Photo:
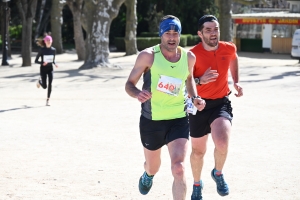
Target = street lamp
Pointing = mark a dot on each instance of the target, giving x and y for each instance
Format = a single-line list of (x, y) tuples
[(4, 36)]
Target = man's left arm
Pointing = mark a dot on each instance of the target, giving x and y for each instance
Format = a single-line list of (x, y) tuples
[(190, 83), (234, 70)]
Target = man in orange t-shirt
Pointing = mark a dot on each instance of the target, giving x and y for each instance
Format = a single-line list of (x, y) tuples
[(214, 58)]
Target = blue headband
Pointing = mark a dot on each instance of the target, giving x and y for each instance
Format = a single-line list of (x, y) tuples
[(169, 24)]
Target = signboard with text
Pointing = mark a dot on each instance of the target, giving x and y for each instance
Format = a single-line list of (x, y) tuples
[(267, 21)]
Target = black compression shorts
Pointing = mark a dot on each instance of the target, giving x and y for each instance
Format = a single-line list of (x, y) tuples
[(200, 123), (155, 134)]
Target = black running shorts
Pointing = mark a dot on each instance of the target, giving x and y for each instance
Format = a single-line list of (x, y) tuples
[(200, 123), (155, 134)]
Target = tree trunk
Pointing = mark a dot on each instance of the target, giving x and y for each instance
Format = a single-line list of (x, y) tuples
[(27, 11), (45, 22), (76, 9), (2, 18), (56, 23), (39, 19), (8, 38), (98, 16), (225, 20), (131, 24)]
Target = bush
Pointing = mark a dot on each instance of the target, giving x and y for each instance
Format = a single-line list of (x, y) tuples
[(149, 34), (15, 32), (119, 43), (183, 41), (68, 46), (192, 39), (145, 42)]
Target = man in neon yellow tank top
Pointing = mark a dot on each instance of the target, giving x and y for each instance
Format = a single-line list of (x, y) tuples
[(167, 72)]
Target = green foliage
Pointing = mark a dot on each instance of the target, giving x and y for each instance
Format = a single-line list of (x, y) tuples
[(118, 25), (250, 2), (67, 29), (69, 46), (188, 11), (192, 39), (119, 43), (149, 34), (183, 41), (142, 42), (153, 18), (15, 32), (145, 42), (149, 13)]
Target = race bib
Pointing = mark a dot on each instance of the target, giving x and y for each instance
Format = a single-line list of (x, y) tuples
[(48, 58), (169, 85)]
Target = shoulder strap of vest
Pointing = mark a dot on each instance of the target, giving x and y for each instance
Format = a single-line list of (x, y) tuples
[(156, 49), (183, 50)]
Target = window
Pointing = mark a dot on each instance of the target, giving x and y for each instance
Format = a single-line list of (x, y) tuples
[(251, 31)]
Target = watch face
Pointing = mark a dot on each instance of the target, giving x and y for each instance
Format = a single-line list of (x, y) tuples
[(197, 80)]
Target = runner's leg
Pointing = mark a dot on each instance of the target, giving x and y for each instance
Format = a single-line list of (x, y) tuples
[(177, 150)]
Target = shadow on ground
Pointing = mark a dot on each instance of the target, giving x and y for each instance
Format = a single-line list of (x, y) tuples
[(109, 75), (21, 108)]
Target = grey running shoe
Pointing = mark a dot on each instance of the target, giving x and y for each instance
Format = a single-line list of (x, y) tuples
[(47, 102), (197, 192), (145, 184), (222, 187)]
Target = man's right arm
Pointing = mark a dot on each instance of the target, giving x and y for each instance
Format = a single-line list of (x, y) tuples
[(143, 62)]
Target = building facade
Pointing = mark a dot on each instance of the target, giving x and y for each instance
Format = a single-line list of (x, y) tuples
[(267, 31)]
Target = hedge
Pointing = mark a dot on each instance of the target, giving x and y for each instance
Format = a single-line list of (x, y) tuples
[(149, 34), (192, 39), (145, 42)]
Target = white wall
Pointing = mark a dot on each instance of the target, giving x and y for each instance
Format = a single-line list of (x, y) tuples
[(267, 36)]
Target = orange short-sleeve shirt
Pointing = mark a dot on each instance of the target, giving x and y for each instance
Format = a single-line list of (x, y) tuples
[(218, 60)]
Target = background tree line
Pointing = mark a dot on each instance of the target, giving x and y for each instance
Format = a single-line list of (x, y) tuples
[(90, 26)]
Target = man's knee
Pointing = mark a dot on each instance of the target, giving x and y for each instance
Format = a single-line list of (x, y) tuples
[(178, 169), (222, 146), (198, 152)]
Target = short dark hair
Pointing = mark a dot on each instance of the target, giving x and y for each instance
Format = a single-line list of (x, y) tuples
[(205, 18), (169, 17)]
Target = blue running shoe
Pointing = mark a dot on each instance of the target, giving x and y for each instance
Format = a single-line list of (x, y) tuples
[(197, 192), (222, 187), (145, 184)]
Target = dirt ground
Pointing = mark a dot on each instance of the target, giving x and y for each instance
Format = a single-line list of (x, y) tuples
[(86, 145)]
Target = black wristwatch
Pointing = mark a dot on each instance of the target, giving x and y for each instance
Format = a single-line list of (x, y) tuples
[(197, 81), (195, 97)]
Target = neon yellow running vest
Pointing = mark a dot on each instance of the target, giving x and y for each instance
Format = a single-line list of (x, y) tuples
[(166, 81)]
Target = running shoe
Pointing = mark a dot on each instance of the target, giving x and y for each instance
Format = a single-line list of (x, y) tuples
[(38, 85), (197, 192), (145, 184), (47, 102), (222, 187)]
